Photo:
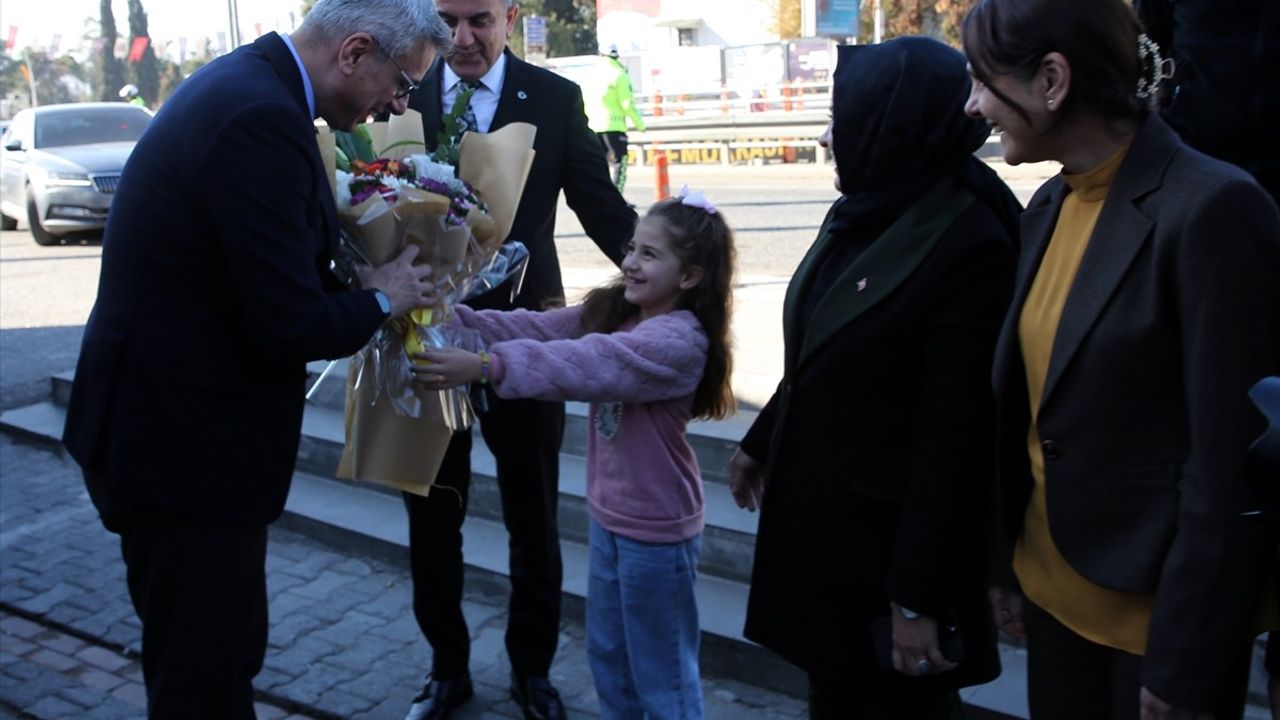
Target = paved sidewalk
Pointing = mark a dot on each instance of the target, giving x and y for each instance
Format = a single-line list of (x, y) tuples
[(343, 641), (49, 673)]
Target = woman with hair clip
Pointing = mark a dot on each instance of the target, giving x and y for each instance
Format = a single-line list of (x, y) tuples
[(876, 448), (1146, 305)]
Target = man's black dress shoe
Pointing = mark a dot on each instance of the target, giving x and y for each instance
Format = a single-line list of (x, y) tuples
[(439, 698), (537, 698)]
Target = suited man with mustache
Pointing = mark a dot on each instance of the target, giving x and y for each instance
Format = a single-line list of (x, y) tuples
[(524, 435)]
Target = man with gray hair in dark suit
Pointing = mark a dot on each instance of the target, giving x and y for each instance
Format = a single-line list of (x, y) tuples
[(214, 294)]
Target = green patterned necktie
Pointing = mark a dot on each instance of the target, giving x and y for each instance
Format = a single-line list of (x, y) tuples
[(467, 121)]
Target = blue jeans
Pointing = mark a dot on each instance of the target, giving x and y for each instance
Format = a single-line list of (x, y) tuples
[(642, 627)]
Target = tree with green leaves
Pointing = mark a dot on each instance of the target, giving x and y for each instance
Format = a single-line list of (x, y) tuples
[(938, 19), (57, 79), (11, 80), (571, 26), (784, 18), (108, 71), (145, 71)]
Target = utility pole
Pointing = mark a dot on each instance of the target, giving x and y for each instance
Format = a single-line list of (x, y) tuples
[(879, 21), (233, 19)]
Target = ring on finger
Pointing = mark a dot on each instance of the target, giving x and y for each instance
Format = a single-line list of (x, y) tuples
[(924, 667)]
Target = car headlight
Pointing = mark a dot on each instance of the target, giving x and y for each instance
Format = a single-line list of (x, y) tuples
[(66, 179)]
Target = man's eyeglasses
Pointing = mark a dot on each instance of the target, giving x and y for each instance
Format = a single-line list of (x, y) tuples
[(407, 84)]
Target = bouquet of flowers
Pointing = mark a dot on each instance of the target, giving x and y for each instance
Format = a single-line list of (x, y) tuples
[(396, 432)]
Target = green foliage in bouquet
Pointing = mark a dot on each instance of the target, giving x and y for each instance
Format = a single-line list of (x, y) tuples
[(358, 145), (355, 145), (450, 133)]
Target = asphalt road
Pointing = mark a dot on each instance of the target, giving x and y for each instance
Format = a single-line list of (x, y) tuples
[(45, 296), (775, 210)]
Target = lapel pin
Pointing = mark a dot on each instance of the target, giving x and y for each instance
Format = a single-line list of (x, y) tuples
[(522, 95), (862, 284)]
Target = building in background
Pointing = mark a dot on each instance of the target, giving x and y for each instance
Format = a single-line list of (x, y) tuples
[(675, 48)]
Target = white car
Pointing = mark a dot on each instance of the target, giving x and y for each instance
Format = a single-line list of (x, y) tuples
[(61, 165)]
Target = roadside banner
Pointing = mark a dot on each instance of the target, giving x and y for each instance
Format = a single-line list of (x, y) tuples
[(837, 18)]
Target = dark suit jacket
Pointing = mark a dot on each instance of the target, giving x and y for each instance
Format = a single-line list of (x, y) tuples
[(1145, 419), (568, 157), (878, 445), (215, 291), (1221, 101)]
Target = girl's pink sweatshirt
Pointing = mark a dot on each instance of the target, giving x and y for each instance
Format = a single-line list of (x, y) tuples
[(643, 480)]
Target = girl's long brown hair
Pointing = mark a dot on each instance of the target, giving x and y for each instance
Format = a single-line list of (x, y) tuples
[(700, 239)]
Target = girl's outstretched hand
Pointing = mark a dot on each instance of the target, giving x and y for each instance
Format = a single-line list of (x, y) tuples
[(445, 368)]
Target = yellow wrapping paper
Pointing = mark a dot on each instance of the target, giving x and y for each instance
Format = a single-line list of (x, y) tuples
[(381, 445), (327, 143)]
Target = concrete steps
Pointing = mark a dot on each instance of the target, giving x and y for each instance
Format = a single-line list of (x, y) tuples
[(370, 519)]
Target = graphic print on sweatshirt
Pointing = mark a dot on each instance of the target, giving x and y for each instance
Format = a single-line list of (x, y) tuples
[(608, 418)]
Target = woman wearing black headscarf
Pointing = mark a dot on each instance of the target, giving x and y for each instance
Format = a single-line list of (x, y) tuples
[(873, 461)]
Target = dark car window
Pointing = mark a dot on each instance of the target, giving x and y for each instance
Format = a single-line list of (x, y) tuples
[(86, 126)]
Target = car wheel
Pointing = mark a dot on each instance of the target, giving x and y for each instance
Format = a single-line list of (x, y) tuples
[(8, 223), (42, 236)]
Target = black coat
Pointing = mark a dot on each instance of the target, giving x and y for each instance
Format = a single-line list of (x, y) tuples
[(568, 156), (214, 294), (1145, 421), (879, 447), (1224, 98)]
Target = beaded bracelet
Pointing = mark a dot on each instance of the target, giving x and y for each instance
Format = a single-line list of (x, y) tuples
[(486, 365)]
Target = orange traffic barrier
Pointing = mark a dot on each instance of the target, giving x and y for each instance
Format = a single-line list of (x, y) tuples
[(657, 93), (724, 99), (662, 182)]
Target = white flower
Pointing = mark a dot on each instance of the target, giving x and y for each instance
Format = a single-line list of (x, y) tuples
[(394, 183), (344, 188), (427, 168)]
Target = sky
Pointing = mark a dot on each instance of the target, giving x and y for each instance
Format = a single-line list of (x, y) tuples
[(38, 21)]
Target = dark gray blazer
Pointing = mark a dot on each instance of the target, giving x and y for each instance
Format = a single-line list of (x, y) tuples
[(1145, 419)]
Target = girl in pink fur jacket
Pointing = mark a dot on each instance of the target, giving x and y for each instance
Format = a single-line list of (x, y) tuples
[(649, 352)]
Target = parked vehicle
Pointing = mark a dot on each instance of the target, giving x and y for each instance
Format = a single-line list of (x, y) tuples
[(61, 164)]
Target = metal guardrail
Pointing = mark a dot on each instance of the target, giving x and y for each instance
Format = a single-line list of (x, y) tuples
[(776, 124), (722, 127), (737, 103)]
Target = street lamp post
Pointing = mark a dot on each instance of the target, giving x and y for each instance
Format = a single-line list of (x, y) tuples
[(233, 19)]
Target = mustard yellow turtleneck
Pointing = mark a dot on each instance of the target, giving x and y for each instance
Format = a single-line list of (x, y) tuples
[(1108, 617)]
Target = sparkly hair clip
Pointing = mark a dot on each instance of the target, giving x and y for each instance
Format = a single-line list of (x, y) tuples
[(1160, 67), (695, 198)]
